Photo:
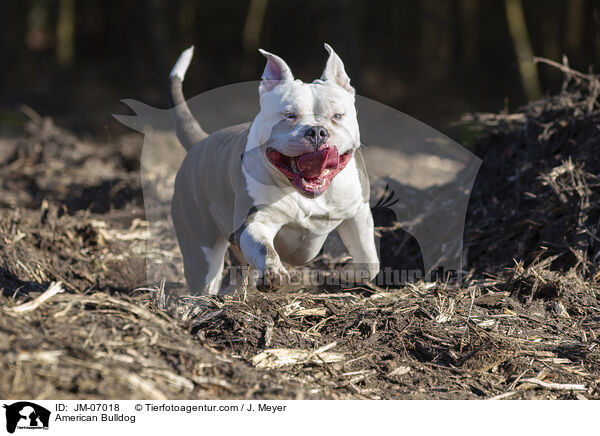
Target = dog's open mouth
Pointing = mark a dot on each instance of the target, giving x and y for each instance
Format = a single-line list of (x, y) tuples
[(310, 173)]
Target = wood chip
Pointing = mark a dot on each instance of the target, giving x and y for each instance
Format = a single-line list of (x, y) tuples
[(282, 357), (401, 370), (491, 298)]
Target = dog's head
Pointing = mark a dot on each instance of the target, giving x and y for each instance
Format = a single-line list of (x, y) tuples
[(307, 131)]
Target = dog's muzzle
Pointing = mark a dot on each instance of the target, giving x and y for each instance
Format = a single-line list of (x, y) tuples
[(310, 173)]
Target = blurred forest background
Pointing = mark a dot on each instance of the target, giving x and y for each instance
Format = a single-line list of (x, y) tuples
[(433, 59)]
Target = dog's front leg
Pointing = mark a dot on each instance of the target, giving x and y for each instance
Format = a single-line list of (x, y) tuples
[(358, 236), (256, 243)]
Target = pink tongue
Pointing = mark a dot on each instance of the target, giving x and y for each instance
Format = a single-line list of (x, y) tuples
[(312, 165)]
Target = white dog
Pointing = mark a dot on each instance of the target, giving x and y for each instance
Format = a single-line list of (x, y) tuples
[(276, 187)]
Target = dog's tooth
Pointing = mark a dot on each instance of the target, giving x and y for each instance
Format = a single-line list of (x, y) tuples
[(294, 165)]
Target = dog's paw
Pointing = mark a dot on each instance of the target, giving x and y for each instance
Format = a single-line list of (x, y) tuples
[(272, 278)]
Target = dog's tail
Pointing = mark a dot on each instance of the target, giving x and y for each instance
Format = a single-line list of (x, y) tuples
[(187, 128)]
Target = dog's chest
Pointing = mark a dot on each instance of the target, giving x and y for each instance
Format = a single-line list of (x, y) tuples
[(318, 216), (322, 215)]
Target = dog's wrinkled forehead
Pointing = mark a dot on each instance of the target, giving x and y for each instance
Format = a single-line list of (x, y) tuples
[(318, 98)]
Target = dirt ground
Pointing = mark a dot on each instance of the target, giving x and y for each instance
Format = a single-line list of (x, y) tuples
[(524, 324)]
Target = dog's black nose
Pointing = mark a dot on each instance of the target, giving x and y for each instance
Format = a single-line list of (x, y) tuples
[(317, 134)]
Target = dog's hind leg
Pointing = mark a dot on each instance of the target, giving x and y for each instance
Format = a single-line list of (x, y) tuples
[(216, 261), (203, 265), (236, 278), (202, 246)]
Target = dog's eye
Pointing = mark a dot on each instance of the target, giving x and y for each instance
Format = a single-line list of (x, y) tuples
[(291, 116), (338, 117)]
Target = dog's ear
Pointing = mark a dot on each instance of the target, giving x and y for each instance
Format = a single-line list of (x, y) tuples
[(276, 72), (335, 72)]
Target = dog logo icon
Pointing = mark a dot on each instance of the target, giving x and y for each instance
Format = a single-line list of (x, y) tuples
[(26, 415)]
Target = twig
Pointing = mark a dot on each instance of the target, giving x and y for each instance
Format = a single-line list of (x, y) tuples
[(564, 68), (325, 348), (504, 395), (53, 289), (31, 114), (212, 381), (136, 382), (556, 386), (468, 319)]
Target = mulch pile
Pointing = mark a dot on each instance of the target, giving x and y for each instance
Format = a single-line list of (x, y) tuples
[(537, 195), (524, 324)]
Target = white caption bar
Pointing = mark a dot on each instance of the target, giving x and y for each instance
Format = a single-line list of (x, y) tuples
[(24, 417)]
